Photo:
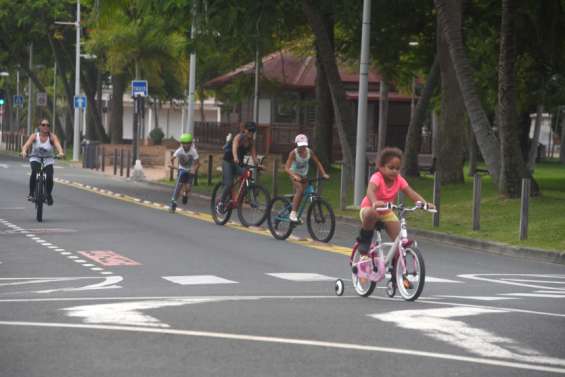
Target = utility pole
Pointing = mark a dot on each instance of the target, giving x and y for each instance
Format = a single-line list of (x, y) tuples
[(361, 149), (76, 129), (18, 94), (29, 89), (54, 93), (191, 79)]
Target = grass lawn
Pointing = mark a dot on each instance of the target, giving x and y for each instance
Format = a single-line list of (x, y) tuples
[(500, 217)]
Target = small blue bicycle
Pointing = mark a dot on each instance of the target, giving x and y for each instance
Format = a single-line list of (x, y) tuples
[(320, 217)]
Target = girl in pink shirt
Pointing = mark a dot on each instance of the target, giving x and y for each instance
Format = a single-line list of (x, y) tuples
[(383, 187)]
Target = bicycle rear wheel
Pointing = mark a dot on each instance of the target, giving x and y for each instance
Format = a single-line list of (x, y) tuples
[(221, 213), (410, 284), (320, 220), (364, 287), (39, 198), (252, 208), (277, 217)]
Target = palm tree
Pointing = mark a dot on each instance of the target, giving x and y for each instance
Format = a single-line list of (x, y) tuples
[(487, 141)]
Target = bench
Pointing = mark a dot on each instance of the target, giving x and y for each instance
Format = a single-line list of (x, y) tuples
[(427, 163)]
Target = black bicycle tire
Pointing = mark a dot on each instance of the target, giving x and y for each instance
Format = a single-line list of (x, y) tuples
[(323, 202), (217, 220), (285, 235), (39, 186), (422, 274), (240, 215)]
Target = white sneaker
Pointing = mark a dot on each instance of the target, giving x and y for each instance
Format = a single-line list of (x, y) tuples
[(293, 217)]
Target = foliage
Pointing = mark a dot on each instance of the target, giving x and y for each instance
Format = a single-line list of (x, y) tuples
[(156, 135)]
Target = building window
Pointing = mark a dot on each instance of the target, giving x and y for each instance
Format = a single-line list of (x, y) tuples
[(286, 108)]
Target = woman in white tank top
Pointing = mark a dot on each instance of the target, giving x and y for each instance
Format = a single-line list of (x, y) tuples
[(297, 169), (43, 144)]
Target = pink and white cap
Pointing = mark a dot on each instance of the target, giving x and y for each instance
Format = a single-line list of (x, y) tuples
[(301, 140)]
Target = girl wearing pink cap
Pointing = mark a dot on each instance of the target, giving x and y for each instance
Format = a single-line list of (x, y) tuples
[(297, 166)]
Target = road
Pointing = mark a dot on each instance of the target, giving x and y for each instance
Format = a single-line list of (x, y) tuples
[(114, 285)]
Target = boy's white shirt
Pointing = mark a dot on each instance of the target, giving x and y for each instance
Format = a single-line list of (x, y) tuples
[(187, 157)]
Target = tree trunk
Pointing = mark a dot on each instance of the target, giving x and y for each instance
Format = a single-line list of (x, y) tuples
[(480, 124), (512, 166), (452, 115), (473, 151), (117, 108), (562, 144), (95, 129), (383, 114), (62, 60), (342, 109), (414, 133), (323, 128)]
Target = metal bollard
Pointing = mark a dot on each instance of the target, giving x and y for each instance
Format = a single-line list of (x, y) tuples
[(524, 206), (103, 159), (128, 159), (115, 161), (436, 198), (210, 166), (96, 157), (121, 162), (171, 170), (343, 188), (275, 180), (476, 202)]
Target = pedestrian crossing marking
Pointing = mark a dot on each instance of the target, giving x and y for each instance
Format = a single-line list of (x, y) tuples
[(479, 298), (295, 276), (198, 280)]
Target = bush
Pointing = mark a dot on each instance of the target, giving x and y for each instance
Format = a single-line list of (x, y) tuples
[(156, 136)]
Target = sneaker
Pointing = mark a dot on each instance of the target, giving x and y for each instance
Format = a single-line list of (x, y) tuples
[(184, 199), (293, 217), (49, 200)]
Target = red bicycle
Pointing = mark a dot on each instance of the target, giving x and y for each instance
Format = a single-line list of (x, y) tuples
[(251, 201)]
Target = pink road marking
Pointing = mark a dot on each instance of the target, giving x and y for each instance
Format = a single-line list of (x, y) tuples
[(109, 258)]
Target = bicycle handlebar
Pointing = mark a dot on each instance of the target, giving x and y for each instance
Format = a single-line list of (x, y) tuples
[(419, 205)]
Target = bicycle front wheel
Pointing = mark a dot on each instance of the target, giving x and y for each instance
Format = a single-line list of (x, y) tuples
[(221, 212), (410, 283), (252, 208), (39, 195), (277, 218), (363, 286), (320, 220)]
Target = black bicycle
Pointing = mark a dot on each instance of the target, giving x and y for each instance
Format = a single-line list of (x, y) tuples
[(40, 191)]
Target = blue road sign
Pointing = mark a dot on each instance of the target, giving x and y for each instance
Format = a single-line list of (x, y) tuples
[(139, 88), (80, 102), (19, 101)]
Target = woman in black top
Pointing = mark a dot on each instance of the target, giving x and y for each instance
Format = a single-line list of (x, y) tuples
[(241, 145)]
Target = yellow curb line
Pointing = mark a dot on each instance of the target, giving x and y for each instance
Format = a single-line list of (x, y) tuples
[(306, 242)]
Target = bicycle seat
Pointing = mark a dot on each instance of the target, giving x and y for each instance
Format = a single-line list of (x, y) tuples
[(379, 225)]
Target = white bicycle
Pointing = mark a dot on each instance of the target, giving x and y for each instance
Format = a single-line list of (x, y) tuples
[(403, 260)]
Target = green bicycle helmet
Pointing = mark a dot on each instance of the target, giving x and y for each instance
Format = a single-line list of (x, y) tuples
[(186, 138)]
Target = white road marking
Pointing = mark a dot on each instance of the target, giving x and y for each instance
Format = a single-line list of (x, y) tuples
[(431, 279), (107, 283), (540, 295), (129, 313), (294, 341), (479, 298), (437, 323), (295, 276), (536, 281), (498, 278), (4, 166), (198, 280)]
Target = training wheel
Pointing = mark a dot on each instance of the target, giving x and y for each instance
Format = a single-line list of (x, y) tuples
[(390, 289), (339, 287)]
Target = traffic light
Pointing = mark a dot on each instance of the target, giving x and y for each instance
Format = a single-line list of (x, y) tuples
[(2, 101)]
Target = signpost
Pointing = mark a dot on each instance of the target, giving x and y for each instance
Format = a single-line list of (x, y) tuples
[(19, 101), (139, 90), (79, 102), (41, 99)]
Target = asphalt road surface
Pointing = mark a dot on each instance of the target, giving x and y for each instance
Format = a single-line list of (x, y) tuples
[(111, 284)]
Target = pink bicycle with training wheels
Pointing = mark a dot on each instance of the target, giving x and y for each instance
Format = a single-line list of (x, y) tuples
[(403, 261)]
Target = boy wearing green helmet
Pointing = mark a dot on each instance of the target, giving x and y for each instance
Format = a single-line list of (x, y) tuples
[(188, 165)]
